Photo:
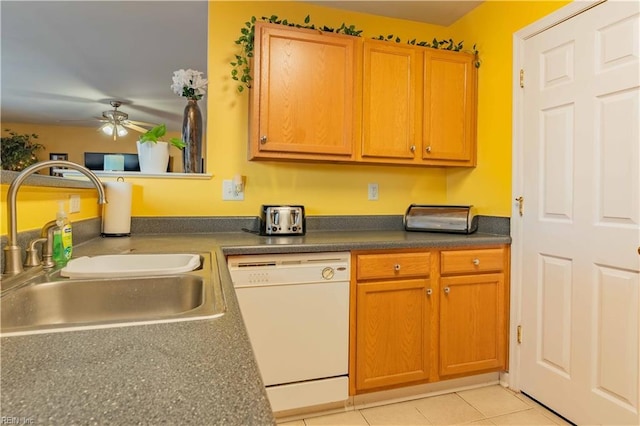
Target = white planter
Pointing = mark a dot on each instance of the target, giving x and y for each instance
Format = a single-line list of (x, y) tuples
[(153, 157)]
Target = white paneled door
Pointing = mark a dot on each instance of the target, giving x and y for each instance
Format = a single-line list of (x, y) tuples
[(581, 222)]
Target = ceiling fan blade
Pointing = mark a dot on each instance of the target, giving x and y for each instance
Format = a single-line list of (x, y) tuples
[(141, 123), (135, 127), (77, 121)]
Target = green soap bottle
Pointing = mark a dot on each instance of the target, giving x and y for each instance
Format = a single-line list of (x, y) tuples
[(62, 237), (58, 250)]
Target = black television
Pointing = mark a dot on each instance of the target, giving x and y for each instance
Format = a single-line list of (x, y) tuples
[(95, 161)]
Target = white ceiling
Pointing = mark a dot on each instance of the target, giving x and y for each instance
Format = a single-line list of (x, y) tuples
[(65, 60), (432, 11)]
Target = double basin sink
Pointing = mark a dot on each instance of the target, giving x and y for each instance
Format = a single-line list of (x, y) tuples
[(47, 301)]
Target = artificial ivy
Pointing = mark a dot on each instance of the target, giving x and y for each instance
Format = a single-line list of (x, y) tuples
[(435, 44), (241, 70)]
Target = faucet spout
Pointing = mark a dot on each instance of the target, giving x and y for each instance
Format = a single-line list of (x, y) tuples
[(13, 252)]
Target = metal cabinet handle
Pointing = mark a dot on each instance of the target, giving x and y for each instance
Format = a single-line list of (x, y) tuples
[(263, 139), (413, 148), (396, 266), (476, 261), (447, 290), (429, 292), (428, 149)]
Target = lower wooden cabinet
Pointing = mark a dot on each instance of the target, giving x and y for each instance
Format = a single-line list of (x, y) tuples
[(472, 324), (423, 316), (393, 322)]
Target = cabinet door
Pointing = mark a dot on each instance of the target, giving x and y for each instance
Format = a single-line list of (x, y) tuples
[(392, 333), (303, 95), (472, 324), (391, 121), (449, 123)]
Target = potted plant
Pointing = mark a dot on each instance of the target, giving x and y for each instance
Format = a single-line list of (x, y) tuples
[(18, 151), (153, 154)]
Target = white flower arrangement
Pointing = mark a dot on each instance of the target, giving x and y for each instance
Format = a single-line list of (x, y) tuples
[(190, 83)]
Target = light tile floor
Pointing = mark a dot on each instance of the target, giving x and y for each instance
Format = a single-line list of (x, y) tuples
[(491, 405)]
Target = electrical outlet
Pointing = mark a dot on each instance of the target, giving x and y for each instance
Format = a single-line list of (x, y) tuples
[(373, 191), (74, 203), (229, 193)]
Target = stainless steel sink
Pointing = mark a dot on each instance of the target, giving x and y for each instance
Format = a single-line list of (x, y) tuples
[(49, 302)]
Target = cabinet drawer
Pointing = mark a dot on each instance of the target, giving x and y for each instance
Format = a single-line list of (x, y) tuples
[(392, 265), (471, 261)]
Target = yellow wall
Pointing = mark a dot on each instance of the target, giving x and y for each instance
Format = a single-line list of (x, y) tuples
[(327, 189), (38, 205), (491, 25), (323, 188), (76, 140)]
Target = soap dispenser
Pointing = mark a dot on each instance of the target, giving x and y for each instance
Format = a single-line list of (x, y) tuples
[(62, 237)]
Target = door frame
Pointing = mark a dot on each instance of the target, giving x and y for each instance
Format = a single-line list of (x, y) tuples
[(512, 379)]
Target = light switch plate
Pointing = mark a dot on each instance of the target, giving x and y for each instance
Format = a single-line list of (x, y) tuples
[(74, 203), (228, 192)]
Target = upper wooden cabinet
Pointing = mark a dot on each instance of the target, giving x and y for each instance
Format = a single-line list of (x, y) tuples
[(419, 105), (450, 108), (392, 104), (303, 96), (330, 97)]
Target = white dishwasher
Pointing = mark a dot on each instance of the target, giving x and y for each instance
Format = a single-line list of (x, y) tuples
[(296, 310)]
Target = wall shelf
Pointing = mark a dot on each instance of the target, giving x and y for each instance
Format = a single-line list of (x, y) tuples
[(111, 174)]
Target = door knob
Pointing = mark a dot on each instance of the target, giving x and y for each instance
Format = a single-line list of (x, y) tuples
[(476, 261), (447, 290), (428, 149), (263, 139), (429, 292), (396, 266)]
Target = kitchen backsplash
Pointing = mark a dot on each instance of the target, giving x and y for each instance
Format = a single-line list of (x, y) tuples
[(87, 229)]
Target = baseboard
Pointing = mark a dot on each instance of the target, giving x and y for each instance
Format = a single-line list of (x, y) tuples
[(392, 396)]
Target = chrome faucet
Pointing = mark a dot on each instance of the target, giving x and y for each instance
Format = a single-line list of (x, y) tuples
[(12, 251)]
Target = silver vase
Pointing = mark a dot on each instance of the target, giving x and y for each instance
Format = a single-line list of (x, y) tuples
[(192, 136)]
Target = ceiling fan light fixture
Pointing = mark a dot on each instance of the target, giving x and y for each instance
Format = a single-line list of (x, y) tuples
[(107, 129), (115, 123)]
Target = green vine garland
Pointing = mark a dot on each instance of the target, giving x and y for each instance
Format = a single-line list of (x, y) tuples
[(241, 70)]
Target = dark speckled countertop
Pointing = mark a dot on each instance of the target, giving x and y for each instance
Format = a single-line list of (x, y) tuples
[(193, 372)]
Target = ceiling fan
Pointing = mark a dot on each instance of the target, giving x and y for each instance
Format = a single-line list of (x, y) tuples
[(116, 122)]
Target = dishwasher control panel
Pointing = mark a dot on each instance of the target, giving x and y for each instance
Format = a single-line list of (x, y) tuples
[(299, 268)]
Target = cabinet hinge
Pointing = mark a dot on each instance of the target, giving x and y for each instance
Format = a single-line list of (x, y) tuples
[(519, 334), (520, 201), (521, 78)]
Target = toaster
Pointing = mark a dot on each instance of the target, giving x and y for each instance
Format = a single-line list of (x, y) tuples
[(282, 220), (439, 218)]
